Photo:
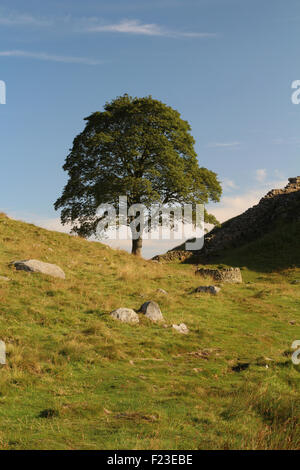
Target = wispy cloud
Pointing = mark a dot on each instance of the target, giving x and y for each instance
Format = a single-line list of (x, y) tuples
[(136, 27), (228, 185), (98, 25), (49, 57), (223, 144), (16, 19), (260, 175), (287, 141)]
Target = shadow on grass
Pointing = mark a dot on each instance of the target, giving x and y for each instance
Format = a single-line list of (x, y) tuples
[(274, 251)]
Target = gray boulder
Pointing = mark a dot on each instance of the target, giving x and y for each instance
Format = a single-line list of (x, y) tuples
[(182, 328), (125, 315), (152, 311), (35, 266), (214, 290)]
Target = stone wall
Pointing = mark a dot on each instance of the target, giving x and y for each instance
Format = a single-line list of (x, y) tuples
[(232, 275)]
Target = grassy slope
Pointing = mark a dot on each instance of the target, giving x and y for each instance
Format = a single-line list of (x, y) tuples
[(113, 385), (278, 249)]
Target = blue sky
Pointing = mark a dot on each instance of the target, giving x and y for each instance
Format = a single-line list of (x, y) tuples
[(226, 65)]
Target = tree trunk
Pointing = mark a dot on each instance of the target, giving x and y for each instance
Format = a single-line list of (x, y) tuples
[(137, 246)]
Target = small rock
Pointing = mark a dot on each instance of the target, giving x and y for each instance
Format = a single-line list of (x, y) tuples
[(162, 291), (4, 278), (2, 353), (214, 290), (182, 328), (296, 281), (49, 413), (152, 311), (35, 266), (125, 315)]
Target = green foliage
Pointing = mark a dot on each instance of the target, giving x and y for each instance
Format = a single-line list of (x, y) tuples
[(139, 148)]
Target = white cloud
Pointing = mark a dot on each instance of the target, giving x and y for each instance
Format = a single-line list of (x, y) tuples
[(137, 27), (260, 175), (16, 19), (49, 57), (223, 144), (228, 185), (235, 205), (96, 25), (231, 206)]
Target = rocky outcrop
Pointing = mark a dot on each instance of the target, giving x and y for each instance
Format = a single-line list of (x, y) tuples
[(35, 266), (277, 206)]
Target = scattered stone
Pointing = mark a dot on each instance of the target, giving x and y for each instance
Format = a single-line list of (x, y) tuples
[(232, 275), (241, 366), (214, 290), (2, 353), (49, 413), (152, 311), (35, 266), (162, 291), (296, 281), (4, 278), (292, 322), (182, 328), (125, 315)]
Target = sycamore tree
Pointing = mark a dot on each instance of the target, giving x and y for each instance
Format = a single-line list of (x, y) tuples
[(139, 148)]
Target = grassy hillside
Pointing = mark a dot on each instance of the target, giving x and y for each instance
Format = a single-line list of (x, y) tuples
[(77, 379), (276, 250)]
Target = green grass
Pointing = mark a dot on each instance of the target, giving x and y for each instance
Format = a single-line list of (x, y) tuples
[(77, 379), (276, 250)]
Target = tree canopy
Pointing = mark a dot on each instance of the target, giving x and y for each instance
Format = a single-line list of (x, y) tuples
[(137, 147)]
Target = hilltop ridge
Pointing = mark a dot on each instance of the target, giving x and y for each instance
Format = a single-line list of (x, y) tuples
[(273, 224)]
